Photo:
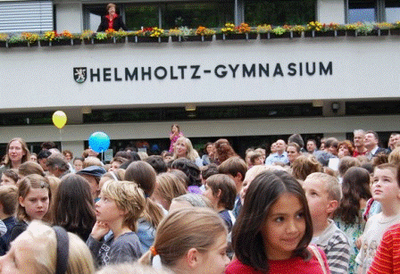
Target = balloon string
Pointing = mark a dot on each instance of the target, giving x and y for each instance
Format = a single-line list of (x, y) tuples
[(61, 140)]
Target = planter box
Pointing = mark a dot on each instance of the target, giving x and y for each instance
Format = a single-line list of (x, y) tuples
[(44, 43), (22, 44), (192, 38), (313, 33), (120, 40), (55, 43), (3, 44), (76, 41), (395, 32), (63, 42), (271, 35), (352, 33), (147, 39), (296, 34), (340, 32), (236, 36), (284, 35), (87, 41), (104, 41)]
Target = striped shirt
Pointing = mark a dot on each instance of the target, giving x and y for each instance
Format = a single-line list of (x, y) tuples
[(336, 246), (387, 257)]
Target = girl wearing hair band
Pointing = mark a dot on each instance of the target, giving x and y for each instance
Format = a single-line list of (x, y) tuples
[(191, 241), (120, 206), (34, 198), (144, 175), (42, 249), (273, 230), (117, 175)]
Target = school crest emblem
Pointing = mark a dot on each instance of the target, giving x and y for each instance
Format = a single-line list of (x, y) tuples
[(80, 74)]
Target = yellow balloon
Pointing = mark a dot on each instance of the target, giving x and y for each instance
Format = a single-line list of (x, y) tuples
[(59, 119)]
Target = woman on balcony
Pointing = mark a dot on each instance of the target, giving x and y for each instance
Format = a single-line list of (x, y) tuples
[(111, 21)]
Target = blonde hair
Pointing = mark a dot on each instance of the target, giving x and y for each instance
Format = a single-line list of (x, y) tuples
[(92, 161), (143, 174), (118, 173), (191, 153), (394, 156), (331, 184), (80, 259), (184, 229), (54, 183), (169, 186), (128, 197)]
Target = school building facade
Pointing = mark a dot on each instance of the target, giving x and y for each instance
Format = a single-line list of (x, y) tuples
[(249, 91)]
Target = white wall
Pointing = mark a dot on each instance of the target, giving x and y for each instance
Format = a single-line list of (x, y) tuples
[(69, 17), (362, 67), (331, 11)]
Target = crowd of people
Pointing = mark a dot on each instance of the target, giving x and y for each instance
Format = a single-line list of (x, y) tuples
[(301, 208)]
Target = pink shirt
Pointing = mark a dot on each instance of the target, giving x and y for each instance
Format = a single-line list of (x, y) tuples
[(293, 265)]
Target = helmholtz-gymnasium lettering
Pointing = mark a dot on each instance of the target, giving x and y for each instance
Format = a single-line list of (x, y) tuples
[(181, 72)]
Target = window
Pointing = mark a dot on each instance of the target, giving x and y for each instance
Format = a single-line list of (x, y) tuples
[(362, 11), (202, 113), (373, 108), (93, 14), (373, 11), (193, 14), (279, 12), (392, 10), (141, 15)]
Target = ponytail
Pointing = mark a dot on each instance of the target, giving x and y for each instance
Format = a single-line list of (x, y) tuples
[(153, 213)]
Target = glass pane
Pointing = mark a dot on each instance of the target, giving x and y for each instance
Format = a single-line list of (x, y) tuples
[(361, 11), (392, 11), (279, 12), (192, 15), (141, 15), (392, 15)]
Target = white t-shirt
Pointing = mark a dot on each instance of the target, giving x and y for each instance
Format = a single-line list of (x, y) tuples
[(374, 229)]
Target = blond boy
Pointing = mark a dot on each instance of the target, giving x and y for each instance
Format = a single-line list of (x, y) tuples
[(386, 190), (323, 194)]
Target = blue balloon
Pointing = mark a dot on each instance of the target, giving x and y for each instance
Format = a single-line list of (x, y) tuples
[(99, 141)]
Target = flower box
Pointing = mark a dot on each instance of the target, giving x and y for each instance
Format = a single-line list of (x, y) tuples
[(88, 41), (54, 43), (264, 35), (313, 33), (76, 41), (119, 40), (22, 44), (296, 34), (148, 39), (3, 44), (192, 38), (283, 35), (236, 36), (382, 32), (351, 32), (103, 41), (340, 32), (44, 43), (61, 42), (395, 32)]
